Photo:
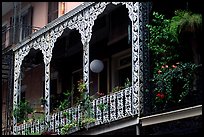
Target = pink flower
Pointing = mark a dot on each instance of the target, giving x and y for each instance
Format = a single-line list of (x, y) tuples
[(162, 67), (174, 66), (100, 94), (166, 66), (159, 71)]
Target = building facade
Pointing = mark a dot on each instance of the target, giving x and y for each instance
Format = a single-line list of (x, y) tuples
[(53, 46)]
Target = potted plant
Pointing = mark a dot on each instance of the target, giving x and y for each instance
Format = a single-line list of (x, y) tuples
[(22, 110), (88, 122)]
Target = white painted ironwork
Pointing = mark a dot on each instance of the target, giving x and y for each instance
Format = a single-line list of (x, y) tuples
[(84, 22), (98, 111), (120, 105), (116, 103), (113, 107), (106, 109)]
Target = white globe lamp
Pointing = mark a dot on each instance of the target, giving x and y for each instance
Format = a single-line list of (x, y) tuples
[(96, 66)]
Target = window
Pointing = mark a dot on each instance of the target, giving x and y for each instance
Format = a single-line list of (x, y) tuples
[(26, 23), (99, 81), (118, 24), (22, 28), (121, 68), (4, 36), (52, 11)]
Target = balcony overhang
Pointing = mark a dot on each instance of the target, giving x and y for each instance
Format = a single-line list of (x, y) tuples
[(172, 115)]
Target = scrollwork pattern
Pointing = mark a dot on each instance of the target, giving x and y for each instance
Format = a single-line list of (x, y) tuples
[(83, 22)]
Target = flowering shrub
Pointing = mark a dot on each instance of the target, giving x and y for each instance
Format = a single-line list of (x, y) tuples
[(170, 82), (173, 83)]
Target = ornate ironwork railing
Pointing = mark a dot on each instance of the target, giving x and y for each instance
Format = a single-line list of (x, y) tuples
[(119, 105)]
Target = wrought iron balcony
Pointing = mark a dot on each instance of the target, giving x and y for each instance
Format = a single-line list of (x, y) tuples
[(119, 105)]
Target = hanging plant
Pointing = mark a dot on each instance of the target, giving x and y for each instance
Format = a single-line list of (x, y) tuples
[(185, 21)]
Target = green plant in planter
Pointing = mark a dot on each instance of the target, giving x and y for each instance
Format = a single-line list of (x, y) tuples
[(127, 83), (116, 89), (65, 129), (85, 100), (86, 121), (66, 114), (22, 110), (64, 104)]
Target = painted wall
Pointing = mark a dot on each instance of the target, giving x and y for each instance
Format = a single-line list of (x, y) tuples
[(40, 14), (71, 5), (68, 6)]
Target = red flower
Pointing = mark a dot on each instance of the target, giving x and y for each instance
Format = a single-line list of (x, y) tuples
[(160, 95)]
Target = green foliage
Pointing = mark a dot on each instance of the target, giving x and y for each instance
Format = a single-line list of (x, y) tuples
[(22, 110), (81, 86), (65, 129), (185, 21), (116, 88), (87, 121), (64, 104), (85, 100), (171, 81), (102, 106), (162, 44), (126, 85)]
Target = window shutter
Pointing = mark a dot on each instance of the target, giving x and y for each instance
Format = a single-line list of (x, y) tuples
[(27, 23)]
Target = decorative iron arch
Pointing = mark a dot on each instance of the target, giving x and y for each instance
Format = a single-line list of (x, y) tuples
[(84, 21)]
